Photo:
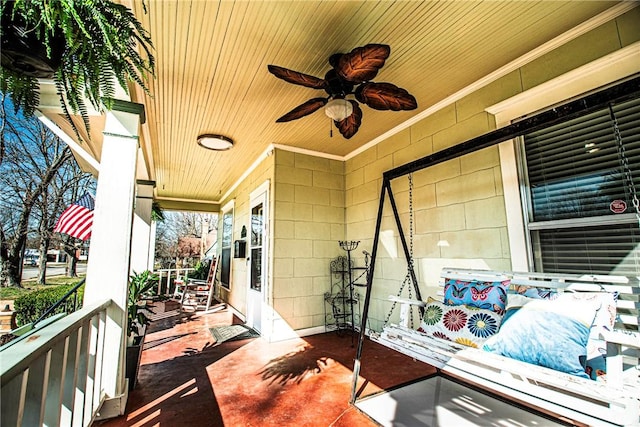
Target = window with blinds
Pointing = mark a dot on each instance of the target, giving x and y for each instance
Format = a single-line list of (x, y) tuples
[(608, 249), (580, 191), (227, 237)]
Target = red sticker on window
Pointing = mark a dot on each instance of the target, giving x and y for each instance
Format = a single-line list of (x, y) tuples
[(618, 206)]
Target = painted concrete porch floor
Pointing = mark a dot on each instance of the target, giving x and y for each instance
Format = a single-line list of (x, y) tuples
[(187, 380)]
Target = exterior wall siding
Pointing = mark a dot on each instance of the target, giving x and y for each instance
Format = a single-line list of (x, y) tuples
[(459, 208), (237, 295), (309, 222)]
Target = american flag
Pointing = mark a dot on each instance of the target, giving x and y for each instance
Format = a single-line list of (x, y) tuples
[(77, 219)]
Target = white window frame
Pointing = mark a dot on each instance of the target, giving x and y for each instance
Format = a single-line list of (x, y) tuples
[(608, 69)]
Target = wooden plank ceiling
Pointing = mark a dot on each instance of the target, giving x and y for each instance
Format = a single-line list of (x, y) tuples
[(212, 76)]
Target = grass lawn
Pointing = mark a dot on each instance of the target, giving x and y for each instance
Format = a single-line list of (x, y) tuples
[(31, 285)]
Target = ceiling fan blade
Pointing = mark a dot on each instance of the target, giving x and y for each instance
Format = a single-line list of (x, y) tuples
[(349, 126), (296, 77), (362, 63), (303, 110), (385, 96)]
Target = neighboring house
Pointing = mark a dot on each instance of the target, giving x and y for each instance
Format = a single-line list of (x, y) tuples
[(31, 257), (191, 249), (188, 248), (56, 255)]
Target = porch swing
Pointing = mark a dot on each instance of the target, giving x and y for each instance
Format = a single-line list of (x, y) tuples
[(615, 403)]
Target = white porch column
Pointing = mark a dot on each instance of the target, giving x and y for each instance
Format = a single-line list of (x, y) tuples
[(152, 246), (141, 235), (110, 250)]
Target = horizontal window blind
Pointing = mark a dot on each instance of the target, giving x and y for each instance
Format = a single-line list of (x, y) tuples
[(574, 169), (612, 249)]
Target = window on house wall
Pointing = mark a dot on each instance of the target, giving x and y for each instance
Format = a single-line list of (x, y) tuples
[(580, 208), (227, 239), (257, 224)]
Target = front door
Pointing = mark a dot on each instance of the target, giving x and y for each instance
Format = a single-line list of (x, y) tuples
[(258, 256)]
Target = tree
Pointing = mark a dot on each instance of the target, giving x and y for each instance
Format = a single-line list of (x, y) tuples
[(69, 184), (179, 225), (32, 158)]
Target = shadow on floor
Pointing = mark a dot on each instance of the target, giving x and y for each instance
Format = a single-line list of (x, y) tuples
[(154, 343), (295, 366), (177, 391), (186, 380)]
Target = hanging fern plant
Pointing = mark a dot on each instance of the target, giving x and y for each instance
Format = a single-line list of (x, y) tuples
[(157, 214), (85, 46)]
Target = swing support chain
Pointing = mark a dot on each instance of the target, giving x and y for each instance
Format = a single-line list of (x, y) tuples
[(410, 266), (624, 162)]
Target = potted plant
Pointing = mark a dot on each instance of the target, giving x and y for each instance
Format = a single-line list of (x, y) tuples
[(201, 270), (86, 47), (139, 286)]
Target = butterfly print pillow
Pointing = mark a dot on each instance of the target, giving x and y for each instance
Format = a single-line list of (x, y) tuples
[(486, 295)]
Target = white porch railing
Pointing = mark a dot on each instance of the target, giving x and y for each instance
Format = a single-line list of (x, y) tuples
[(53, 376), (166, 274)]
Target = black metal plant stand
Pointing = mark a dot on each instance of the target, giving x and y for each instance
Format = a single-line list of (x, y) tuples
[(350, 245), (343, 301), (337, 315)]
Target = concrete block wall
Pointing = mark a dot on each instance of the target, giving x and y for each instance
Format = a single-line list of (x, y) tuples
[(308, 223), (459, 214), (458, 207), (237, 294)]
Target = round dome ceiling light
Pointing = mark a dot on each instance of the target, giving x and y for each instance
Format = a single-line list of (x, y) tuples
[(215, 142)]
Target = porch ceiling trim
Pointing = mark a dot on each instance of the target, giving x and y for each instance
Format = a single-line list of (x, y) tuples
[(615, 66), (188, 205), (309, 152), (266, 153), (73, 145)]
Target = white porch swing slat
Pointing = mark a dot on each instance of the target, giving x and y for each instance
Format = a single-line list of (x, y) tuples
[(615, 402)]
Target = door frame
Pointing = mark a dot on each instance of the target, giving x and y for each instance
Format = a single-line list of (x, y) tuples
[(259, 195)]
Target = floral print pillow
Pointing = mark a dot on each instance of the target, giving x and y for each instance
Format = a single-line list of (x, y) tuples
[(469, 326), (486, 295)]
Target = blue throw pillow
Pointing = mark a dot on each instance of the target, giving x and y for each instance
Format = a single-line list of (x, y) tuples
[(538, 293), (550, 333), (486, 295)]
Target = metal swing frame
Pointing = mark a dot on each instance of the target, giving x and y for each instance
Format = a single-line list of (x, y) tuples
[(573, 109)]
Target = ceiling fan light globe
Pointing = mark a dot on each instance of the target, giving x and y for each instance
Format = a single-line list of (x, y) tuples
[(338, 109)]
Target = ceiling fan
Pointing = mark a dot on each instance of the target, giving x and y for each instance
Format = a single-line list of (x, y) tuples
[(351, 74)]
